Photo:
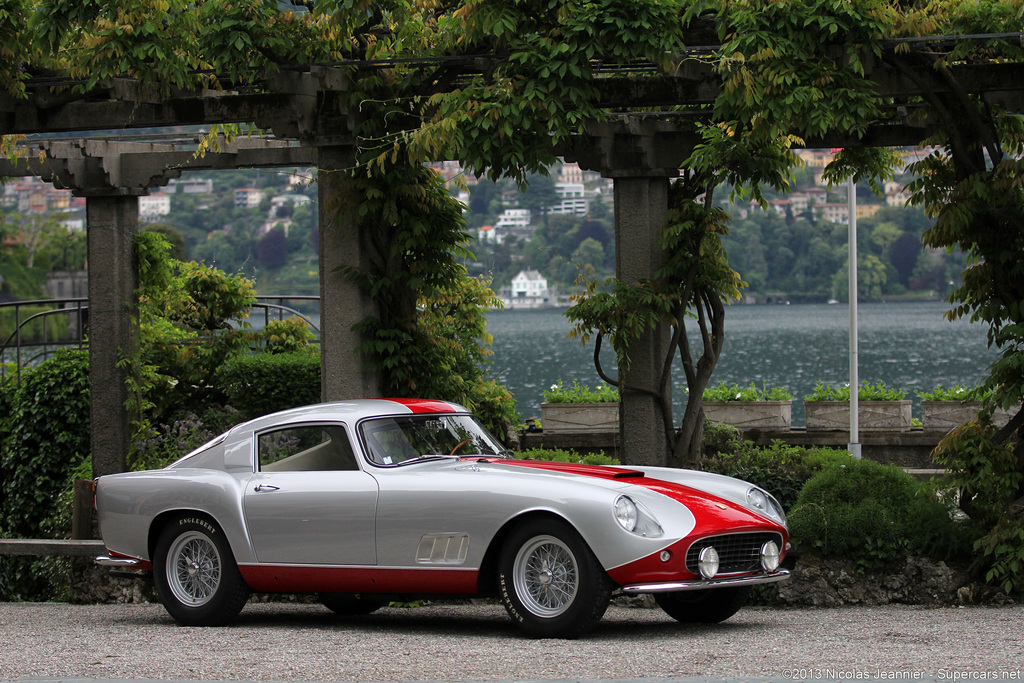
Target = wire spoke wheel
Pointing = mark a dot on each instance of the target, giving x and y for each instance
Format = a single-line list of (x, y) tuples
[(546, 576), (195, 573), (193, 569)]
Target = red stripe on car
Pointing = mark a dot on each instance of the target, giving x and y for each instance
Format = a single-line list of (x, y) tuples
[(424, 405)]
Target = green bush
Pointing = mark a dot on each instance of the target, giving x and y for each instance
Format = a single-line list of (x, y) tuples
[(780, 469), (734, 392), (987, 479), (44, 438), (562, 455), (266, 383), (866, 512), (580, 393), (160, 445), (494, 406), (866, 392)]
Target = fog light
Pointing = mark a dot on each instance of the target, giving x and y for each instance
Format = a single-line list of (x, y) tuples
[(666, 555), (770, 556), (707, 561)]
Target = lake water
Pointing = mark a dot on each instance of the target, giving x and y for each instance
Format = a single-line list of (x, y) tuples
[(905, 345)]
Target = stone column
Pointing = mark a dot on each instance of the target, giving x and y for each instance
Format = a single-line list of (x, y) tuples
[(344, 370), (640, 207), (113, 324)]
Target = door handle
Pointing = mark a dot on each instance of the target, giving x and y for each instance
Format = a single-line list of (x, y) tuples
[(265, 487)]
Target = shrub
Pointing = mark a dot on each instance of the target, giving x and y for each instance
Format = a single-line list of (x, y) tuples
[(44, 437), (861, 510), (867, 392), (265, 383), (579, 393), (161, 445), (734, 392), (780, 469), (494, 406), (988, 481), (956, 393), (562, 455)]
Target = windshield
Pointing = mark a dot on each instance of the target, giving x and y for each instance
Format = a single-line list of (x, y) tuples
[(394, 440)]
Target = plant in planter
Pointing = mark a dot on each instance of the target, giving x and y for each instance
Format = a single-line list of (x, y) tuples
[(881, 408), (749, 407), (944, 408), (578, 408)]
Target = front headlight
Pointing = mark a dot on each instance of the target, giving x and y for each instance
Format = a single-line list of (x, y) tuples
[(756, 499), (764, 503), (626, 513), (636, 518)]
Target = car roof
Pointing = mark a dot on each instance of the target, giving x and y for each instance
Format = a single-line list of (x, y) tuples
[(349, 411)]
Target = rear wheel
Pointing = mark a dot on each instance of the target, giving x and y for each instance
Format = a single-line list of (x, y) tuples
[(349, 604), (708, 606), (550, 581), (196, 576)]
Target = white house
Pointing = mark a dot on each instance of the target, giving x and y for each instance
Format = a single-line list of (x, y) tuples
[(514, 218), (529, 290), (153, 207), (488, 234), (248, 197), (573, 199)]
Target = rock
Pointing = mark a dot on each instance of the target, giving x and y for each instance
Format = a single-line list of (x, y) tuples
[(821, 582)]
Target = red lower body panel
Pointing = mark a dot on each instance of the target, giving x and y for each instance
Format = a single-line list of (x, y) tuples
[(276, 578)]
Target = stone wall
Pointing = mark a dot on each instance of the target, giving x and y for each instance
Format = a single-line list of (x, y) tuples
[(820, 582)]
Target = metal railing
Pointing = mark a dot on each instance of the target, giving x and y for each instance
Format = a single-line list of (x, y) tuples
[(23, 349)]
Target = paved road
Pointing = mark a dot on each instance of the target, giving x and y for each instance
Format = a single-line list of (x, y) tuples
[(476, 642)]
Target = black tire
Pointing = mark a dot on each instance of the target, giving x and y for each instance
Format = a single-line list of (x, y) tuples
[(349, 604), (195, 572), (709, 606), (550, 581)]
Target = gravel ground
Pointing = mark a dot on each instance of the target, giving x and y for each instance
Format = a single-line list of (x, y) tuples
[(286, 642)]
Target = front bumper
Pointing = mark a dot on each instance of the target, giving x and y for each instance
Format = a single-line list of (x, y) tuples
[(702, 584)]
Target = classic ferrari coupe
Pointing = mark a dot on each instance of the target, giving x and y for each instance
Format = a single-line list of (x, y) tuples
[(364, 502)]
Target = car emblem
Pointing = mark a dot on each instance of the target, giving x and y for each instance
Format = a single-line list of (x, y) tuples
[(724, 507)]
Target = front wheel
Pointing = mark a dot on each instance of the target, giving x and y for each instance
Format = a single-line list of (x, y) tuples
[(709, 606), (551, 583), (196, 576)]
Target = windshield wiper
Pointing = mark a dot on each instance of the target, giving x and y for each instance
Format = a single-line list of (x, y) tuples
[(428, 456)]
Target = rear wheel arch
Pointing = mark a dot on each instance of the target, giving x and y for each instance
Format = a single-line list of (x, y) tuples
[(161, 521)]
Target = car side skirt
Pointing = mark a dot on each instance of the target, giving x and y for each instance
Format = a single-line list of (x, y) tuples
[(702, 584), (279, 578)]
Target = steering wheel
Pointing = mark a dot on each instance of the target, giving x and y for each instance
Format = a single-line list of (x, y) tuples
[(459, 445)]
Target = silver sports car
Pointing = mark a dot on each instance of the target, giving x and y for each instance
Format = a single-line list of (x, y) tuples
[(363, 502)]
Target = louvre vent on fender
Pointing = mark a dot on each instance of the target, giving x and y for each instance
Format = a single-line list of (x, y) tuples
[(737, 553)]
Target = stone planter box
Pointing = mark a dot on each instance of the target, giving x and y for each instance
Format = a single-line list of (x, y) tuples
[(946, 415), (567, 418), (873, 415), (770, 415)]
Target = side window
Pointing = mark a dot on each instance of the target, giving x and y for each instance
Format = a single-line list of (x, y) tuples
[(305, 449)]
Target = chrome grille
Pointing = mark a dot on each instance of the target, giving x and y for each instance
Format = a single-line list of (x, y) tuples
[(737, 553)]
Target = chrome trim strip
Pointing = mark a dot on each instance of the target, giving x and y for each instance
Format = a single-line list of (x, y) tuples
[(672, 586), (119, 562)]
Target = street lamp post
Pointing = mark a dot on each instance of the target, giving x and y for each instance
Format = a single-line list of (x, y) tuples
[(854, 445)]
